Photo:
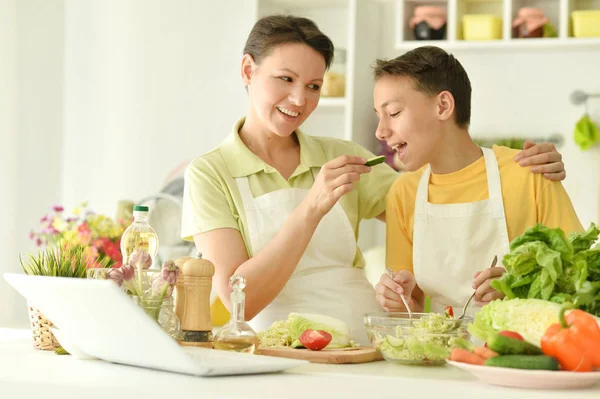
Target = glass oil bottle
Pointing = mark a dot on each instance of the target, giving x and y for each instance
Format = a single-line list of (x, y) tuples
[(237, 335), (139, 235)]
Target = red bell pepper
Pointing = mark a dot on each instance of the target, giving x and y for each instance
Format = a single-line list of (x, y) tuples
[(571, 347), (585, 329)]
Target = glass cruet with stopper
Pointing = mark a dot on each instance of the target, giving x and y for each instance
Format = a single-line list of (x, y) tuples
[(237, 335)]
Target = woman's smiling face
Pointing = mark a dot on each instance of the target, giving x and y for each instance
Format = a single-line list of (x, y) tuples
[(284, 87)]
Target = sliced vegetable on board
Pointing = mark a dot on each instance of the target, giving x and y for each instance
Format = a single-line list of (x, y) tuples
[(286, 333), (315, 339)]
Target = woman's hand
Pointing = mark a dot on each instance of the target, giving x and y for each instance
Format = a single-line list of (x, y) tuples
[(335, 179), (484, 293), (544, 159)]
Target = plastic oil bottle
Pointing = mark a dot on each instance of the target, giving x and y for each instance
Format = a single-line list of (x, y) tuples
[(139, 235), (237, 335)]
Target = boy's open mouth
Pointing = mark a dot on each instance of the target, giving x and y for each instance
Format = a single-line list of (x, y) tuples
[(400, 148)]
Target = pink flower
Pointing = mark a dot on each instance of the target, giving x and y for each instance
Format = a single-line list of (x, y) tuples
[(140, 259), (128, 271), (31, 235), (44, 219), (158, 285), (170, 272), (112, 251), (84, 232), (58, 208), (38, 242)]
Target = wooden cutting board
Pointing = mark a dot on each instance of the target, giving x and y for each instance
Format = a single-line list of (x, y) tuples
[(332, 356)]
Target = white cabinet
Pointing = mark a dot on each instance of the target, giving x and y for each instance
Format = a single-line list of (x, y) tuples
[(352, 25), (557, 11)]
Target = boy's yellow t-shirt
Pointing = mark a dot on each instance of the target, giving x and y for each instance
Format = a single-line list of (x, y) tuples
[(528, 198)]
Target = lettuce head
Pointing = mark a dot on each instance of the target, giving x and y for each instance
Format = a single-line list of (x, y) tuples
[(529, 317)]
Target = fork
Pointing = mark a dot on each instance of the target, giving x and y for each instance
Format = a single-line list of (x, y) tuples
[(404, 301), (473, 295)]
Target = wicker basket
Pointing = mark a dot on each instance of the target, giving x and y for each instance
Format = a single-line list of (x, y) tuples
[(43, 338)]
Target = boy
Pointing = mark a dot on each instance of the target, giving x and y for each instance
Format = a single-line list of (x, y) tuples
[(459, 205)]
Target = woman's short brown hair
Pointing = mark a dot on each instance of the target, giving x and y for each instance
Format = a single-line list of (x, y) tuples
[(273, 30), (433, 70)]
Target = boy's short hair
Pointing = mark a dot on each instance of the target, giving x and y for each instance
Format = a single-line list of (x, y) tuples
[(433, 70)]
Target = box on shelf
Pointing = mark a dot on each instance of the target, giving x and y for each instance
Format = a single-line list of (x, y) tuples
[(428, 23), (586, 23), (481, 27)]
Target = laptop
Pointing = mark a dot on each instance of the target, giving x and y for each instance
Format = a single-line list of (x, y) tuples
[(103, 322)]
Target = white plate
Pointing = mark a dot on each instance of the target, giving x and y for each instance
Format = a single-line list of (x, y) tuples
[(539, 379)]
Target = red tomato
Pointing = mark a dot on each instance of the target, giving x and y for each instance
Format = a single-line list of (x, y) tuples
[(512, 334), (449, 311), (315, 339)]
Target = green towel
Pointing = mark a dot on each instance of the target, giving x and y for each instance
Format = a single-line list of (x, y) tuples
[(586, 133), (549, 30)]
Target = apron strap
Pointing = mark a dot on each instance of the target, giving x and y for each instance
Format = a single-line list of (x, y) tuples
[(494, 183), (245, 192), (248, 201), (422, 194)]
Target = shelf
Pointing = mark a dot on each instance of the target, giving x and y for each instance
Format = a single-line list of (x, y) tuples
[(332, 102), (307, 3), (557, 11), (502, 44)]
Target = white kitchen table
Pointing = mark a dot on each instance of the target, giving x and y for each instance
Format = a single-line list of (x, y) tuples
[(29, 373)]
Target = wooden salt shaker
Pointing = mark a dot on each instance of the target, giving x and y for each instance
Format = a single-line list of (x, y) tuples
[(196, 323), (179, 290)]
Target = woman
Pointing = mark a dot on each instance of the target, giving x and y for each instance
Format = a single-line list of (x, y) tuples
[(283, 208)]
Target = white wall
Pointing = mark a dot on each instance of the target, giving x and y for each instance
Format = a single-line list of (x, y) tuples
[(149, 84), (8, 135), (31, 43), (111, 96)]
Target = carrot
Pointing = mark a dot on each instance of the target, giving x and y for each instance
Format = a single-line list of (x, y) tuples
[(464, 356), (484, 352)]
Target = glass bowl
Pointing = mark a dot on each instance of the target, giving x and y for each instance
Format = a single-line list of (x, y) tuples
[(424, 339)]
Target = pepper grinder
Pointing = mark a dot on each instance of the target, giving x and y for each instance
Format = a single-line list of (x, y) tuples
[(196, 325), (179, 294)]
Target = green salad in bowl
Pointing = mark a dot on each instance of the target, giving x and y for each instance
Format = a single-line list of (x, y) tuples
[(424, 338)]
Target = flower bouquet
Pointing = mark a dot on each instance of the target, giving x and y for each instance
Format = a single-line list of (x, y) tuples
[(85, 227), (151, 289)]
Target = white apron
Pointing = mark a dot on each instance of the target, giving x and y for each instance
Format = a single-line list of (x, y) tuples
[(324, 281), (453, 241)]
